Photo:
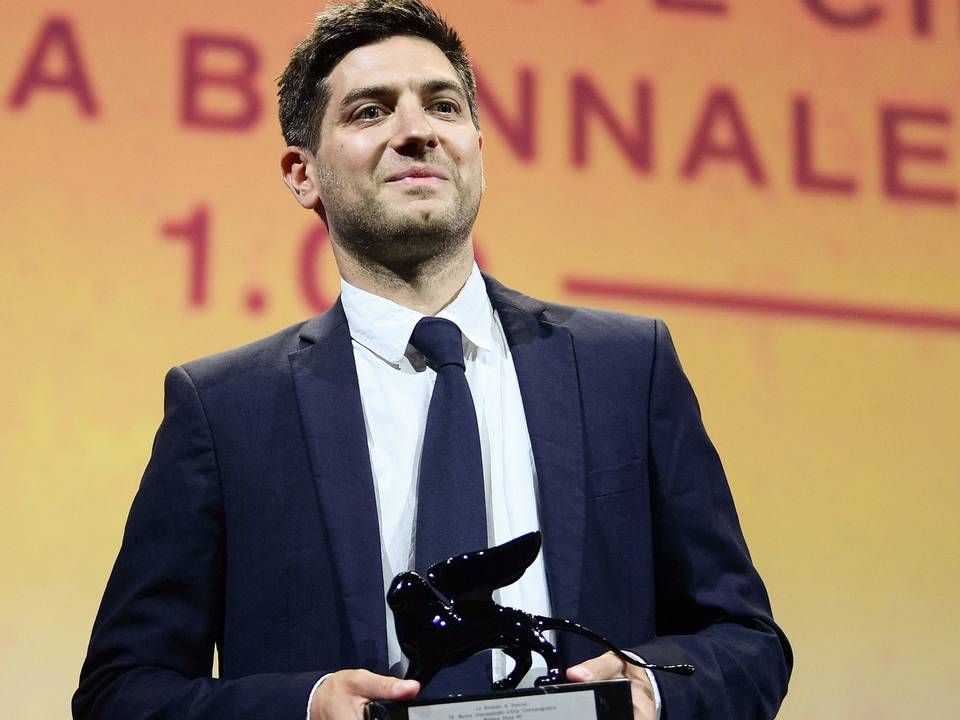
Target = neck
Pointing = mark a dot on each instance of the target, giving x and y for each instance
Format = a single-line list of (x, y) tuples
[(426, 288)]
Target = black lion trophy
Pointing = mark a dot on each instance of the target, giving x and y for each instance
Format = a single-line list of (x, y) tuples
[(450, 615)]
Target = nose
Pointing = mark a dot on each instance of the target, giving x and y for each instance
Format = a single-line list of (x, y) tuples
[(414, 133)]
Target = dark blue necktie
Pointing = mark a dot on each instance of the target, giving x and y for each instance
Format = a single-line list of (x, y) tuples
[(451, 508)]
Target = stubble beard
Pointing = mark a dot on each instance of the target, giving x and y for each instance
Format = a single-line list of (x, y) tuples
[(386, 241)]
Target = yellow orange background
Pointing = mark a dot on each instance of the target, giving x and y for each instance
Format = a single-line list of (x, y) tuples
[(839, 436)]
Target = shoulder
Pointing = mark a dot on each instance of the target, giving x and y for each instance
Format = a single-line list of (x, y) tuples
[(587, 326), (265, 356), (607, 326)]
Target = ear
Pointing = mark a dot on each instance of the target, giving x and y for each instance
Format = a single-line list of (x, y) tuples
[(298, 167)]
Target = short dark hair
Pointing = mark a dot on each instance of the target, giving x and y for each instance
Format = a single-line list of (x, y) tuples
[(303, 88)]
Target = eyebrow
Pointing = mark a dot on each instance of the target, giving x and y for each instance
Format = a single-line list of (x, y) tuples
[(430, 87)]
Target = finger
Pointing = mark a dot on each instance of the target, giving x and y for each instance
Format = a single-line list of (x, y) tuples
[(605, 667), (381, 687), (405, 690)]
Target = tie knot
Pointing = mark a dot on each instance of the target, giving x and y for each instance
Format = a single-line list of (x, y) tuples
[(440, 342)]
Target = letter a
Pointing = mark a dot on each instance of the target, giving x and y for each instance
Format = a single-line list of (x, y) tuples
[(56, 36), (721, 108)]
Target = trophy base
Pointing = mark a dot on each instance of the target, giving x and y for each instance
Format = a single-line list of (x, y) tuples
[(606, 700)]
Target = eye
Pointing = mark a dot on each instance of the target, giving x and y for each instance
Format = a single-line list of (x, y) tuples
[(369, 112), (445, 107)]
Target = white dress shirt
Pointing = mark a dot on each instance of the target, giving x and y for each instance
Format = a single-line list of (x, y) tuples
[(395, 390)]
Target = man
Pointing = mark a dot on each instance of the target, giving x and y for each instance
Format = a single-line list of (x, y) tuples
[(282, 493)]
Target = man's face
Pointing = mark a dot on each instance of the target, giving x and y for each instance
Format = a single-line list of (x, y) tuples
[(399, 169)]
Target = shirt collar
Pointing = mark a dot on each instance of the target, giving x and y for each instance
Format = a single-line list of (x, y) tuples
[(384, 327)]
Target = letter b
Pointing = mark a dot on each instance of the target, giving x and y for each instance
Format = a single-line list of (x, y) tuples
[(233, 89)]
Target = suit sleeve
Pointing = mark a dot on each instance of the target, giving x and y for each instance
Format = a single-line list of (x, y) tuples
[(151, 650), (712, 609)]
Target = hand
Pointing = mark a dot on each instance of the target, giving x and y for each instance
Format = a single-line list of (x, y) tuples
[(609, 667), (343, 695)]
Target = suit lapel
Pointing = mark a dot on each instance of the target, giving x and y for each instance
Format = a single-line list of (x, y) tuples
[(328, 395), (543, 356)]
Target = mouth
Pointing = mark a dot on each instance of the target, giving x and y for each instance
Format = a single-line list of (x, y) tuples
[(418, 175)]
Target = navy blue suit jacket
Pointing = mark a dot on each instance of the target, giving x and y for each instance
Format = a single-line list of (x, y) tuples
[(255, 527)]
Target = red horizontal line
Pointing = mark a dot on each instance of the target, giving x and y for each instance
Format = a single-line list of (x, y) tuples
[(765, 304)]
